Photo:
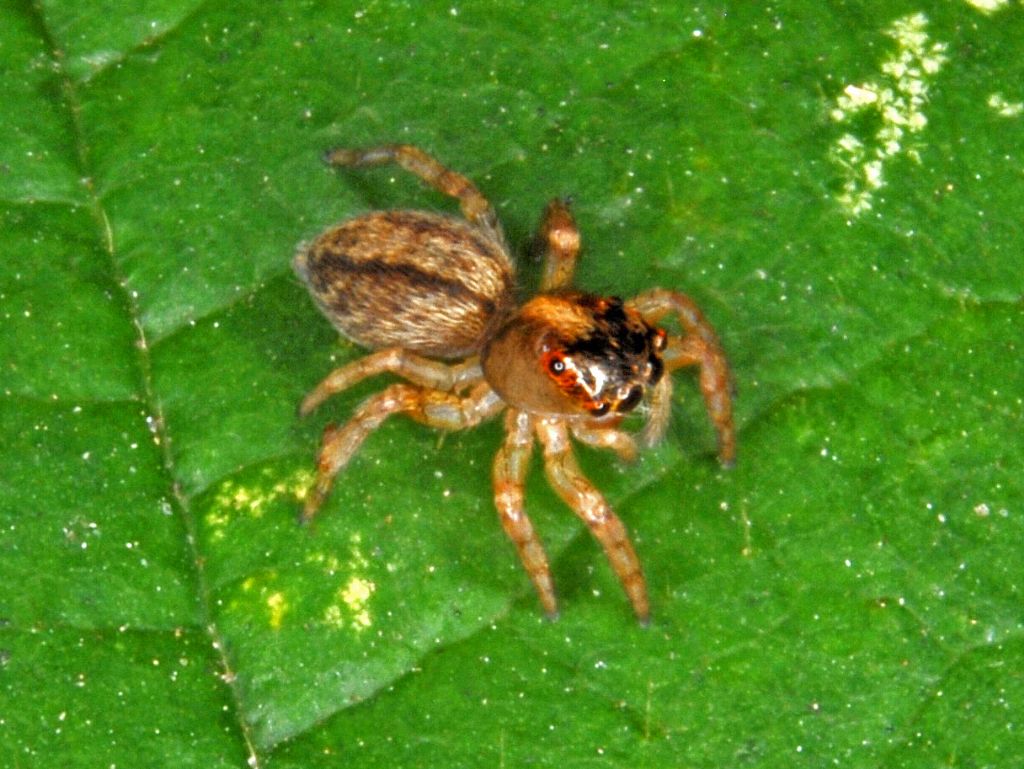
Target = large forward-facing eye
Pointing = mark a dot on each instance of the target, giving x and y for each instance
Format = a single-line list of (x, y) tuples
[(559, 365), (630, 400)]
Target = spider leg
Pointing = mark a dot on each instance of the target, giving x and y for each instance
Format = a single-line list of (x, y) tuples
[(414, 160), (698, 346), (571, 485), (606, 437), (559, 240), (435, 408), (510, 466), (660, 409), (415, 368)]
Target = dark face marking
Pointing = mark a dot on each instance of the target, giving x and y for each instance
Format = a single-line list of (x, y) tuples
[(610, 365)]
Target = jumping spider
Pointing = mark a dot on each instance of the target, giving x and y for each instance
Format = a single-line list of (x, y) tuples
[(415, 286)]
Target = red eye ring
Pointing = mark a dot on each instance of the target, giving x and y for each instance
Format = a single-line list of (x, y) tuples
[(554, 362)]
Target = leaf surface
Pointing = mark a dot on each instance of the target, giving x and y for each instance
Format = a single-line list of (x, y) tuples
[(838, 187)]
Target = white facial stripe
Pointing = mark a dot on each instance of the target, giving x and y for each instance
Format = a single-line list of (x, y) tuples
[(594, 373)]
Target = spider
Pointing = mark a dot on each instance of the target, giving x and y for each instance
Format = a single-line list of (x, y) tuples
[(419, 289)]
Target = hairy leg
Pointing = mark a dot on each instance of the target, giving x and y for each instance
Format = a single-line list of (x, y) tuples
[(699, 346), (445, 410), (586, 501), (415, 368), (606, 437), (559, 240), (510, 467), (414, 160), (660, 409)]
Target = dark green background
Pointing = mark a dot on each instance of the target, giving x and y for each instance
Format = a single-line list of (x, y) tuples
[(849, 595)]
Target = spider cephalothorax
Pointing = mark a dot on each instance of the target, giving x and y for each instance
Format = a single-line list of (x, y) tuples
[(589, 354), (416, 287), (608, 364)]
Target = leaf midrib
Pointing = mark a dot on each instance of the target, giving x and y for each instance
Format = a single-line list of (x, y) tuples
[(143, 369)]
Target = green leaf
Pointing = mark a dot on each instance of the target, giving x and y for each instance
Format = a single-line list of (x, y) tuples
[(839, 187)]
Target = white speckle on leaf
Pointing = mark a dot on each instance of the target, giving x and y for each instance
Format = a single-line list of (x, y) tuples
[(1005, 108), (898, 98), (988, 6)]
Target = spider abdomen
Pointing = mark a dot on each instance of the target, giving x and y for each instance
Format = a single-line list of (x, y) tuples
[(427, 283)]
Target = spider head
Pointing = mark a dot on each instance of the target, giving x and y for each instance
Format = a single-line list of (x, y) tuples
[(571, 353), (606, 361)]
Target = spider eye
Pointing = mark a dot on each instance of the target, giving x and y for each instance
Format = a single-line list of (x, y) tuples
[(556, 365), (632, 397), (600, 409)]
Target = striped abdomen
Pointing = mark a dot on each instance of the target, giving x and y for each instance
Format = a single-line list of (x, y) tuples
[(430, 284)]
